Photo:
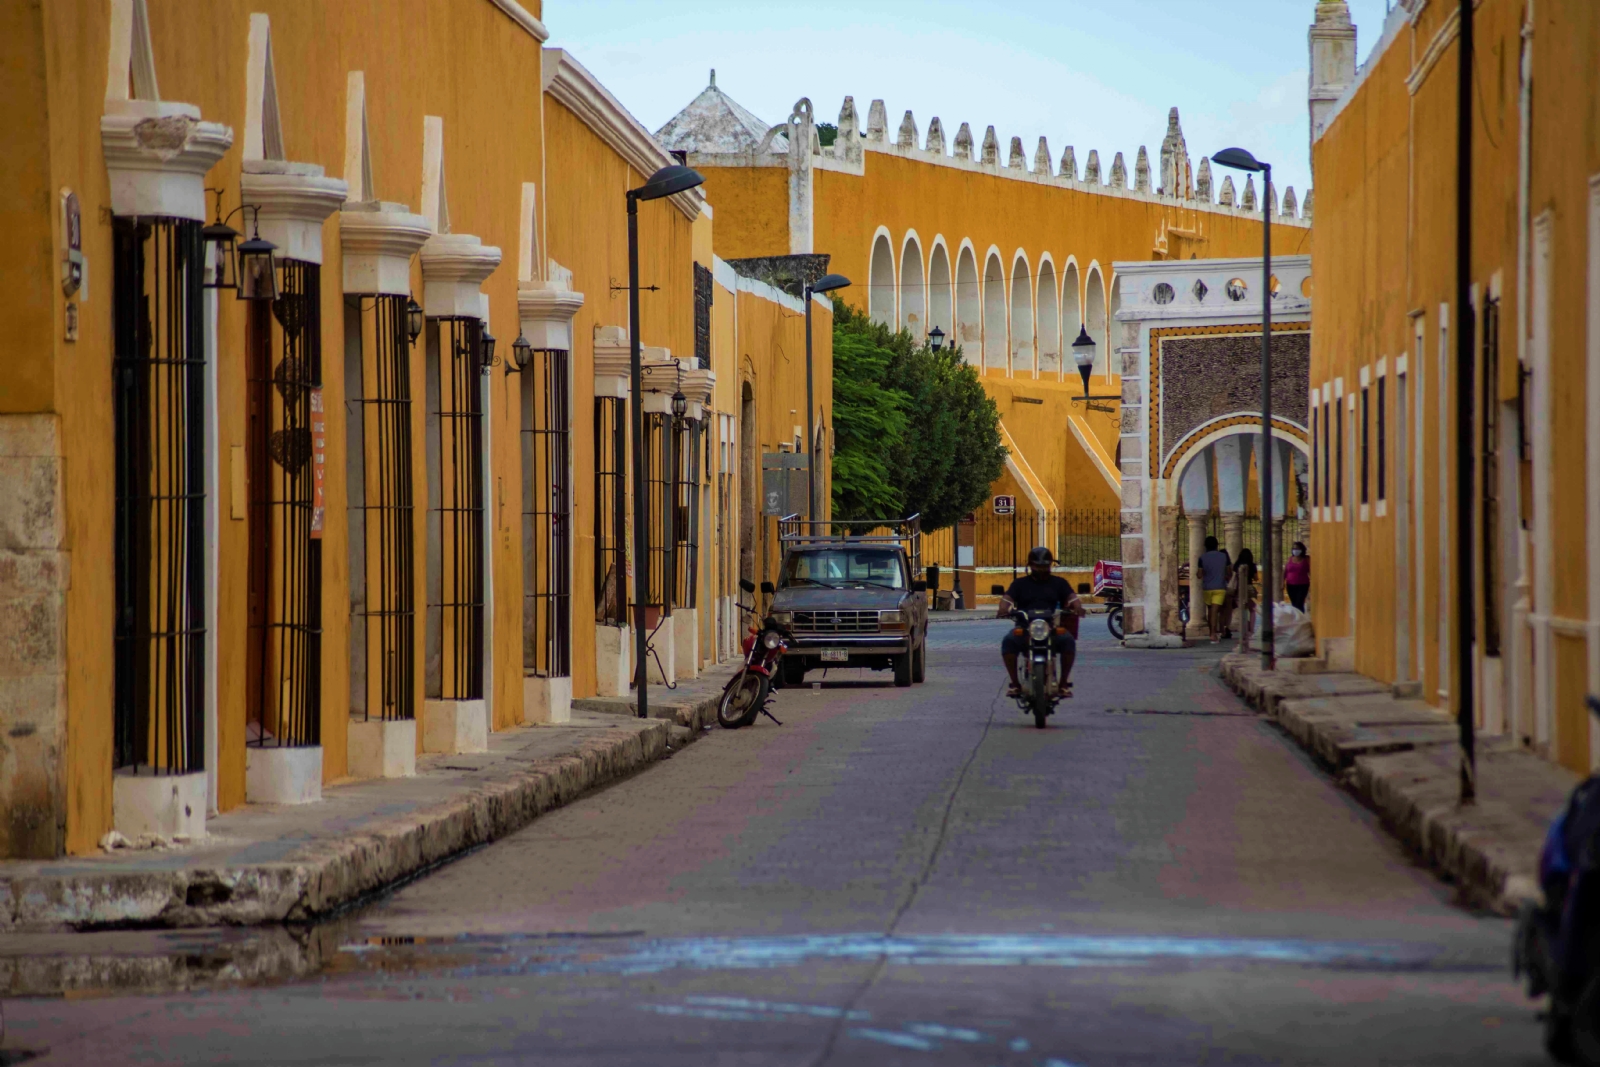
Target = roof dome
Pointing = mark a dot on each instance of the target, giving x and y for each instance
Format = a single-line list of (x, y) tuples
[(714, 123)]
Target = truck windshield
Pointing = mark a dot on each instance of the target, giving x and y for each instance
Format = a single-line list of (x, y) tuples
[(843, 567)]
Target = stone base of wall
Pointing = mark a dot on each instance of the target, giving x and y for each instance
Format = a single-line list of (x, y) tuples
[(33, 603)]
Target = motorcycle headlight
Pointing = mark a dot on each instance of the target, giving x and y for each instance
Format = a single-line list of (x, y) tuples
[(771, 640), (783, 618), (1039, 629), (891, 618)]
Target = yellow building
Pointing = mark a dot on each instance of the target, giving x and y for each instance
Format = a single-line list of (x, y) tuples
[(278, 522), (1007, 255), (1385, 368)]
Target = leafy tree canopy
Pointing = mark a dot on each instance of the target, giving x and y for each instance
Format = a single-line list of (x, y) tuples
[(914, 430)]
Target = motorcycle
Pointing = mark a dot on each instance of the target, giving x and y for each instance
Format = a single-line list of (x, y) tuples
[(1557, 943), (1036, 667), (1108, 586), (747, 692)]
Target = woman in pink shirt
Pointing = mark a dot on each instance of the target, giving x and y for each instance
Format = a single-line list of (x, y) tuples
[(1297, 575)]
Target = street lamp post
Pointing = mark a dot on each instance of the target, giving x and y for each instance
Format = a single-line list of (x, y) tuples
[(936, 338), (1239, 159), (1083, 350), (825, 284), (664, 182)]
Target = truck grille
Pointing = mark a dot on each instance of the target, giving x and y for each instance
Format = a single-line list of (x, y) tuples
[(836, 622)]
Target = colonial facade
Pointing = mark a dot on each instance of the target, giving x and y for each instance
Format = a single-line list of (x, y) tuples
[(274, 521), (1386, 372), (1007, 253)]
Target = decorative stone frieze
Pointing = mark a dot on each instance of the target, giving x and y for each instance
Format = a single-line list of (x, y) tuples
[(454, 267), (157, 154), (294, 199), (377, 240)]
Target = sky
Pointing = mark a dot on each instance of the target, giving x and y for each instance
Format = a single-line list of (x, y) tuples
[(1087, 73)]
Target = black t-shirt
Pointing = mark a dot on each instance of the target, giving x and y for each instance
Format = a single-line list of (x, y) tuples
[(1030, 594)]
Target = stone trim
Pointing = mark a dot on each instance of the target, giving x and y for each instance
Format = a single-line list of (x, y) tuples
[(377, 241), (295, 199), (523, 18)]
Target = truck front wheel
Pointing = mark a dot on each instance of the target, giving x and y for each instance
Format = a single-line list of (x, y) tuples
[(902, 670), (919, 661)]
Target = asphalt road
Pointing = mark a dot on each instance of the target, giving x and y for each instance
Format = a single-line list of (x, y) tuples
[(900, 876)]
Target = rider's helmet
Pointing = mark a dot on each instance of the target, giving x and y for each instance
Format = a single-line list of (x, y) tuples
[(1039, 554)]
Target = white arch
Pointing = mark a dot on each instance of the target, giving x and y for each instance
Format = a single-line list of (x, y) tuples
[(1113, 363), (1195, 443), (913, 295), (1071, 309), (969, 305), (1021, 306), (1094, 315), (941, 290), (996, 345), (1047, 312), (880, 279)]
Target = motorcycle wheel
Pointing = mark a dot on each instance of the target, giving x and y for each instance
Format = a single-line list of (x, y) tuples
[(1582, 1028), (1114, 622), (1183, 613), (1041, 702), (1558, 1038), (741, 700)]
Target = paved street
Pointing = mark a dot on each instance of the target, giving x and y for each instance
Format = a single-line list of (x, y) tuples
[(897, 876)]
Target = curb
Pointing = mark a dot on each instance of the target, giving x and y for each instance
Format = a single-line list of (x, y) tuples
[(1400, 757), (335, 874)]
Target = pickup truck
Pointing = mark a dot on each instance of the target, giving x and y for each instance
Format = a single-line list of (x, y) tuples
[(852, 600)]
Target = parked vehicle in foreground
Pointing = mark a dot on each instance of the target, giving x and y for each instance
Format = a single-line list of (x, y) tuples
[(1036, 668), (1108, 586), (853, 600), (746, 694), (1557, 943)]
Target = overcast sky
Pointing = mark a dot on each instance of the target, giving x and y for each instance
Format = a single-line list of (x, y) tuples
[(1089, 74)]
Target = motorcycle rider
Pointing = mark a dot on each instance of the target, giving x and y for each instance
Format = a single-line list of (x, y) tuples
[(1039, 590)]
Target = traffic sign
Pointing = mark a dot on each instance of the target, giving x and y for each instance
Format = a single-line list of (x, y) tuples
[(1005, 505)]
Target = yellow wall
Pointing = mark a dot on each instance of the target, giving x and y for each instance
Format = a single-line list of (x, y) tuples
[(1384, 251)]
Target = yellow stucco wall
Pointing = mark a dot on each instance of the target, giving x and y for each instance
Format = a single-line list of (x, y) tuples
[(1384, 252)]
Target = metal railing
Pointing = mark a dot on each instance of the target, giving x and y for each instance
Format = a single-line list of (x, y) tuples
[(547, 514), (158, 435), (610, 510), (455, 510)]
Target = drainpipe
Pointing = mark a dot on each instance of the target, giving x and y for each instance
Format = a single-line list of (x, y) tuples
[(1466, 321)]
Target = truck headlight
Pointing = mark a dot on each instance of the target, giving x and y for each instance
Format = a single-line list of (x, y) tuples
[(1039, 629), (891, 618), (783, 618)]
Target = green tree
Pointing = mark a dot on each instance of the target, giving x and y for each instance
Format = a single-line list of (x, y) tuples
[(914, 430)]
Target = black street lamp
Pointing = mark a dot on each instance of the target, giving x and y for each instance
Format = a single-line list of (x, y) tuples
[(258, 265), (664, 182), (825, 284), (1239, 159), (222, 238), (413, 320), (936, 338), (486, 347), (1083, 350)]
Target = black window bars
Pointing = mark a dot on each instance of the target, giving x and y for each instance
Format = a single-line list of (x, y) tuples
[(455, 633), (610, 510), (661, 483), (686, 523), (382, 535), (547, 514), (284, 654), (158, 403)]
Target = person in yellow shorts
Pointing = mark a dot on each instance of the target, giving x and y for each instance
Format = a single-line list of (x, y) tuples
[(1215, 567)]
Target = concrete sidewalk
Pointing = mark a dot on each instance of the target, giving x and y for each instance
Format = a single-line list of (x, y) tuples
[(271, 863), (1401, 756)]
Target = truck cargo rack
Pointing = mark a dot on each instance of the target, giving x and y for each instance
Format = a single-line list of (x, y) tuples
[(796, 532)]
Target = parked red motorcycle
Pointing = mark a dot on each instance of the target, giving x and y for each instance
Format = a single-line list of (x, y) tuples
[(747, 692)]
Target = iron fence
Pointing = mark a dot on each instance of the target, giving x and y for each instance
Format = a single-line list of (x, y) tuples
[(610, 510), (686, 520), (1077, 538), (547, 514), (158, 405), (382, 535), (455, 509), (284, 655), (660, 507)]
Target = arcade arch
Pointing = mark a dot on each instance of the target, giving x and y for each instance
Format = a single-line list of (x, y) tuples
[(969, 305), (1071, 306), (941, 294), (995, 345), (1022, 356), (1094, 316), (1049, 320), (913, 299), (880, 281)]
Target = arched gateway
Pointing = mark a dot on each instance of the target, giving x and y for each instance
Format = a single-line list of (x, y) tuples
[(1188, 341)]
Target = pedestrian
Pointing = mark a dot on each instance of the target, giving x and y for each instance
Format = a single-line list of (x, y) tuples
[(1214, 570), (1297, 575), (1243, 587)]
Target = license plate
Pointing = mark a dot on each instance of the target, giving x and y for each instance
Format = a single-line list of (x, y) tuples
[(835, 655)]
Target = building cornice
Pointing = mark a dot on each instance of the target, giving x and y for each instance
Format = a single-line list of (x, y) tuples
[(545, 311), (569, 84), (454, 268), (157, 154), (376, 243), (294, 199), (524, 18)]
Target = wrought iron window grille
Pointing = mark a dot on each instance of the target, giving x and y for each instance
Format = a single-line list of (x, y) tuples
[(611, 510), (547, 513)]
